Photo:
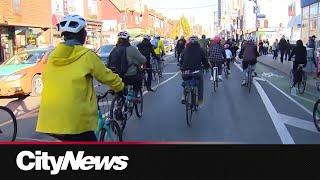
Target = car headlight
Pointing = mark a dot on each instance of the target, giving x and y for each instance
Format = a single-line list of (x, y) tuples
[(14, 77)]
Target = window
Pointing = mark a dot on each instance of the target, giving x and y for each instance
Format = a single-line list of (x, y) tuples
[(305, 30), (314, 10), (305, 12), (16, 6), (313, 26)]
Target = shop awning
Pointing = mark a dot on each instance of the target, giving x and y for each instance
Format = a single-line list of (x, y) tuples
[(295, 21)]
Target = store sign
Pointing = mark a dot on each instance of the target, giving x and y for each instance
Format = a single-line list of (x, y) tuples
[(305, 3)]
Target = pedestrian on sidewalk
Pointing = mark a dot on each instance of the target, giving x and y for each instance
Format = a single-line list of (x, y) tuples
[(275, 50), (282, 47), (300, 53), (288, 50), (312, 44)]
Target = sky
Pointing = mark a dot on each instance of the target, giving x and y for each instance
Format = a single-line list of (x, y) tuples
[(175, 8)]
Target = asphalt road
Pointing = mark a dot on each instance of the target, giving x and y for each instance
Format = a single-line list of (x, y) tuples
[(268, 115)]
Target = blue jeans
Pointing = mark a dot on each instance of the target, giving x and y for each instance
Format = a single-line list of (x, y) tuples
[(245, 66)]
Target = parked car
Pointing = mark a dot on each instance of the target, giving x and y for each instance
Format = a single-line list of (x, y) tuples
[(21, 74), (168, 46), (104, 52)]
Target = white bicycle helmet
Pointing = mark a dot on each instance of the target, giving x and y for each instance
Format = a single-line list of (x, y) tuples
[(124, 35), (157, 36), (148, 37), (71, 23)]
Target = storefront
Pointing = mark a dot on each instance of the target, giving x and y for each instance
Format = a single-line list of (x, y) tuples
[(310, 19)]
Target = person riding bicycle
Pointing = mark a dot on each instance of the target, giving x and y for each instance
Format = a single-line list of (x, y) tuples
[(132, 74), (249, 53), (204, 44), (193, 59), (146, 49), (68, 107), (217, 55), (159, 51), (300, 53), (181, 44), (228, 56), (126, 60)]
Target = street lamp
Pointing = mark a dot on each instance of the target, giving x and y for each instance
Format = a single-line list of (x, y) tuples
[(256, 13)]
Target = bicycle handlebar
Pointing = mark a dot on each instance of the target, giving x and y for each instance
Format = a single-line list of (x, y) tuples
[(105, 94)]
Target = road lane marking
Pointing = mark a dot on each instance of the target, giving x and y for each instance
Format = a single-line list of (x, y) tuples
[(289, 97), (299, 123), (164, 82), (275, 117), (169, 73)]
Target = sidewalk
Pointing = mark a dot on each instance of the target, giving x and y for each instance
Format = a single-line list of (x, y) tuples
[(287, 66)]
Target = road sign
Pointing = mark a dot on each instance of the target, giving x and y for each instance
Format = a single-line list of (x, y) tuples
[(261, 16)]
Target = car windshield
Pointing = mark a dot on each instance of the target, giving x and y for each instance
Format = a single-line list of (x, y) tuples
[(105, 49), (26, 57)]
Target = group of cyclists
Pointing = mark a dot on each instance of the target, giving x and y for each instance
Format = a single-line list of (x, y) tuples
[(68, 107)]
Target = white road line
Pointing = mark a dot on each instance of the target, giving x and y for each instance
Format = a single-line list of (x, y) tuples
[(170, 73), (164, 82), (299, 123), (293, 100), (280, 127), (275, 117)]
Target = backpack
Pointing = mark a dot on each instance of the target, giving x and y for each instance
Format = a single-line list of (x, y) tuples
[(249, 53), (118, 62), (154, 43)]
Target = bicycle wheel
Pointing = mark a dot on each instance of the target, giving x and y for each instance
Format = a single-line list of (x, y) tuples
[(302, 84), (226, 72), (194, 101), (249, 80), (156, 79), (316, 115), (111, 133), (188, 108), (291, 79), (118, 104), (8, 125), (138, 105)]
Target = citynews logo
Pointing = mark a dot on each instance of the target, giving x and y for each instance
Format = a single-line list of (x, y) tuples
[(42, 161)]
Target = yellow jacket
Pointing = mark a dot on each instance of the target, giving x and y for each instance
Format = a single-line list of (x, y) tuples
[(68, 103), (160, 48)]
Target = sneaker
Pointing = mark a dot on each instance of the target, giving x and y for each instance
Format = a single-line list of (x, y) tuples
[(220, 77), (243, 83), (183, 101), (294, 91), (229, 72), (211, 79)]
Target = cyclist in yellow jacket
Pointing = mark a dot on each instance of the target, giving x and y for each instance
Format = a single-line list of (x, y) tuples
[(68, 107), (159, 51)]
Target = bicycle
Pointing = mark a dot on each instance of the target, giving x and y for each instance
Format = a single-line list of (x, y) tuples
[(316, 114), (249, 77), (122, 107), (191, 94), (8, 127), (214, 73), (225, 69), (302, 82), (108, 129)]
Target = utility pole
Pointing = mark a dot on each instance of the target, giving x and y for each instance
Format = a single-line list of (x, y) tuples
[(256, 13)]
